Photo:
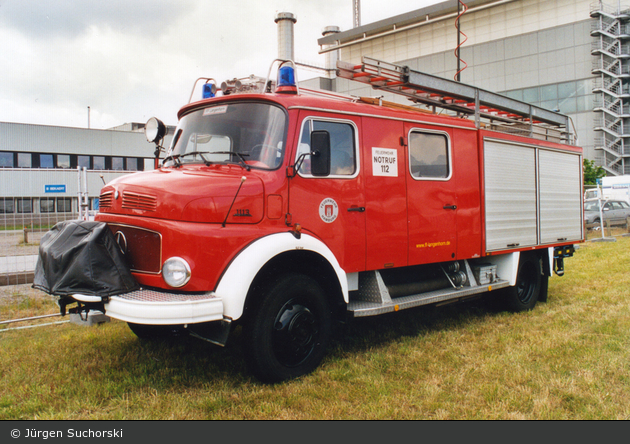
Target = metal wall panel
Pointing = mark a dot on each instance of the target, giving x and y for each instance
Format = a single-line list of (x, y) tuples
[(510, 196), (560, 196), (63, 140)]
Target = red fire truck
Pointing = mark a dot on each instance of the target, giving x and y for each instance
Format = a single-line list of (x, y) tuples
[(285, 210)]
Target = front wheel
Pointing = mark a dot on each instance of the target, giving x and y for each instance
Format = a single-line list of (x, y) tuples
[(524, 295), (289, 329)]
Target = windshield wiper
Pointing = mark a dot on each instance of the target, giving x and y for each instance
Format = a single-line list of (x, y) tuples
[(239, 155), (200, 154), (175, 160)]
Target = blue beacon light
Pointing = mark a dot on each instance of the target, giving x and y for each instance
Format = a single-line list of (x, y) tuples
[(287, 76), (286, 80)]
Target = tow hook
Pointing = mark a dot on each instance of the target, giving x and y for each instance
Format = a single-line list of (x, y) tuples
[(88, 314)]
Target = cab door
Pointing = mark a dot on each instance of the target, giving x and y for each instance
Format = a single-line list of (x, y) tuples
[(331, 207), (431, 195)]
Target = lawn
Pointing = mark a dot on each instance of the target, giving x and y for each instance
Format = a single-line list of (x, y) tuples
[(566, 359)]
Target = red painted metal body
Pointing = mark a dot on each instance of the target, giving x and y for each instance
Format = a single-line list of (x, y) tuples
[(378, 222)]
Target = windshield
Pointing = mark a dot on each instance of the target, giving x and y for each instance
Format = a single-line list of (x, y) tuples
[(591, 206), (250, 134)]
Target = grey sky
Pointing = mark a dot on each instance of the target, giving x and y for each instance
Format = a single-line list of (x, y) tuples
[(130, 59)]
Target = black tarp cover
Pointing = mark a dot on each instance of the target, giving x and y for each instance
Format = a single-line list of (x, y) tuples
[(82, 257)]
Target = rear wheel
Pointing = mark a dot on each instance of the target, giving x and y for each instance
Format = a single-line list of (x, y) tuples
[(524, 295), (289, 330)]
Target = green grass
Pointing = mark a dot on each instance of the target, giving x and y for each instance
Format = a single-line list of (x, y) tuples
[(566, 359)]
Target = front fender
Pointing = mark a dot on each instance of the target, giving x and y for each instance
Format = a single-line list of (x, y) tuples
[(237, 279)]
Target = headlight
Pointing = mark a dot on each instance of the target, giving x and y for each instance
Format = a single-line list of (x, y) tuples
[(176, 272)]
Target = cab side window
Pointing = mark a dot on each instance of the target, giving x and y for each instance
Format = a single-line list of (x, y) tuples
[(429, 155), (342, 146)]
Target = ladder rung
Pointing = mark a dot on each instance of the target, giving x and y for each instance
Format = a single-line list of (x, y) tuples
[(378, 79)]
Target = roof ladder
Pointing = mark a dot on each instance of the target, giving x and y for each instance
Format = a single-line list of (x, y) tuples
[(503, 113)]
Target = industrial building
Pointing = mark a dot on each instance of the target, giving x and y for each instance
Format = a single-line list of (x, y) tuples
[(40, 166), (569, 56)]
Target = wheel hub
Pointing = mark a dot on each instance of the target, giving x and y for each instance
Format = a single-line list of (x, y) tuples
[(295, 334)]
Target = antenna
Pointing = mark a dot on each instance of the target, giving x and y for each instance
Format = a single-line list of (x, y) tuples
[(243, 179), (458, 75)]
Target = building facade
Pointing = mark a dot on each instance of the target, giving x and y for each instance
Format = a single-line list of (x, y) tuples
[(568, 56), (40, 179)]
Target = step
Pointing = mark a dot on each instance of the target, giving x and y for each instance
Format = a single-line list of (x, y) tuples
[(361, 308)]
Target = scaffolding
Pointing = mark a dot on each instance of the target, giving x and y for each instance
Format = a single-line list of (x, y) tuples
[(611, 31)]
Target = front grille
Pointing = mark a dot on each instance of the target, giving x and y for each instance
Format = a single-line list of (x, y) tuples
[(105, 200), (142, 248), (137, 201)]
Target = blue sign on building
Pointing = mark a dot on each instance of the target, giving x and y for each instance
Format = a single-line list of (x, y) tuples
[(54, 188)]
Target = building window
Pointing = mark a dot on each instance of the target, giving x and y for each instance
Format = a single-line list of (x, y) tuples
[(428, 155), (132, 164), (567, 97), (118, 163), (64, 205), (83, 161), (6, 160), (46, 161), (47, 205), (24, 205), (99, 162), (25, 160), (63, 161), (7, 206)]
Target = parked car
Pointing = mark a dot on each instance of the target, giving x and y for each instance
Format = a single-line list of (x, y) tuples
[(615, 212)]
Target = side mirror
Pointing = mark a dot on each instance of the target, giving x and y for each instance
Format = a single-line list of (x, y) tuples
[(320, 153)]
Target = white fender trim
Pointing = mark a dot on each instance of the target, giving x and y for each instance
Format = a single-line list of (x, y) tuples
[(549, 272), (237, 279)]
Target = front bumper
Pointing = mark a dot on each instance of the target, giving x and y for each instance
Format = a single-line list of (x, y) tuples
[(154, 307)]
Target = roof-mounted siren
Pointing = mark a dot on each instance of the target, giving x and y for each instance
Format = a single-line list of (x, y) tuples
[(208, 90), (230, 86)]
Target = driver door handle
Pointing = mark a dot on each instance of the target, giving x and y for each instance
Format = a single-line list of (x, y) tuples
[(450, 207), (357, 209)]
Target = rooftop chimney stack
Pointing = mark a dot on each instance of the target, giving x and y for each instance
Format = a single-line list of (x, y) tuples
[(285, 21), (331, 56), (356, 12)]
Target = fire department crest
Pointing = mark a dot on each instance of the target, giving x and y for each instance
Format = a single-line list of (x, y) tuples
[(328, 210)]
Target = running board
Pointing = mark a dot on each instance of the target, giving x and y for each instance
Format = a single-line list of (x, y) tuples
[(367, 308)]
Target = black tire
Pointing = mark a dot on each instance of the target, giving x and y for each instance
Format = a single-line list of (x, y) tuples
[(288, 331), (544, 289), (524, 295), (157, 332)]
